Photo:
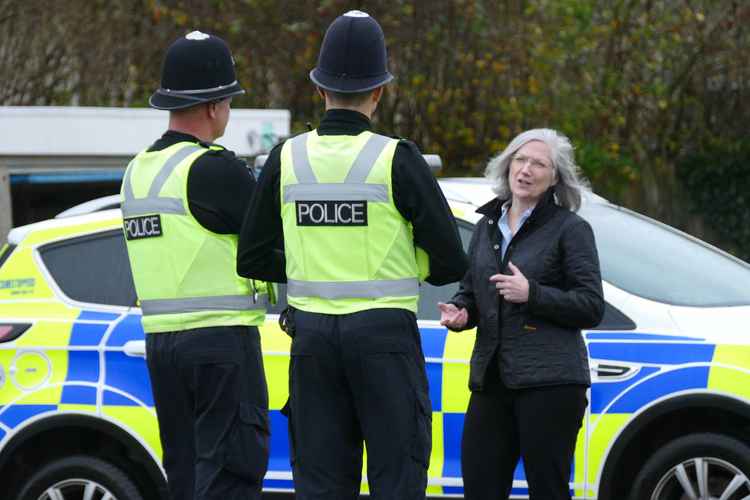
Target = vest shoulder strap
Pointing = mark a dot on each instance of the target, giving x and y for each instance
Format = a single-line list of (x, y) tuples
[(354, 186), (358, 172), (153, 203), (366, 159)]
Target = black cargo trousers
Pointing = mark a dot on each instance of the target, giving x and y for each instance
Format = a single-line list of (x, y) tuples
[(212, 405), (353, 378)]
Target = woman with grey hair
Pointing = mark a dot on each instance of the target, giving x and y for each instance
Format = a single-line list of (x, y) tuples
[(533, 284), (568, 186)]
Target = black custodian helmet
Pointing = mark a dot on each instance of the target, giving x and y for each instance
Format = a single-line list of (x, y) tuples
[(197, 68), (353, 57)]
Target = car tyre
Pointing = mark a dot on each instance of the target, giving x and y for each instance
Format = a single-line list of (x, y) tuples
[(69, 478), (712, 465)]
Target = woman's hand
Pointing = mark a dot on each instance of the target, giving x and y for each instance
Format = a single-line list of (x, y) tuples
[(513, 288), (453, 317)]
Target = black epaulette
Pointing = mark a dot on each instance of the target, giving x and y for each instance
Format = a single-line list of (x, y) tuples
[(209, 145), (223, 152), (226, 154), (404, 140)]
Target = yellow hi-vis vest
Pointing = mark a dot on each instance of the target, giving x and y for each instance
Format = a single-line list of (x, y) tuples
[(347, 247), (185, 275)]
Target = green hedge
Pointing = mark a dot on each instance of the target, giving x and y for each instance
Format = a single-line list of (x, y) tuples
[(718, 182)]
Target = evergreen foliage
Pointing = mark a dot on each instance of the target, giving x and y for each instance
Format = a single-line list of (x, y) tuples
[(635, 84), (718, 182)]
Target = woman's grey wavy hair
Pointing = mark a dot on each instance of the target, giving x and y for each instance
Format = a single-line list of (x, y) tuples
[(570, 182)]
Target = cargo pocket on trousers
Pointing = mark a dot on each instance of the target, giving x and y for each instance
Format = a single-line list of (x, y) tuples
[(422, 441), (287, 412), (246, 447)]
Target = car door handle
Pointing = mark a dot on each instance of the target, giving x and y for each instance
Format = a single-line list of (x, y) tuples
[(135, 348), (613, 371)]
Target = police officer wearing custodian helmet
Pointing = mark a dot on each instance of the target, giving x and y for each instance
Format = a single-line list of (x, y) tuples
[(183, 202), (362, 220)]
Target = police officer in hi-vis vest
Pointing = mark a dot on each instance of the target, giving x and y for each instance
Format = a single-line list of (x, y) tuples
[(362, 221), (183, 201)]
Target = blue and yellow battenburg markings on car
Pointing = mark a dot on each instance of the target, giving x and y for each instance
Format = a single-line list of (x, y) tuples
[(76, 358), (71, 359), (664, 366)]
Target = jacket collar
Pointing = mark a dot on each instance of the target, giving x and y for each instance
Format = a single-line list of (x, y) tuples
[(541, 211), (343, 122)]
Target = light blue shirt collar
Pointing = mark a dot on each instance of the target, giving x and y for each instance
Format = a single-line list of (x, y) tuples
[(504, 225)]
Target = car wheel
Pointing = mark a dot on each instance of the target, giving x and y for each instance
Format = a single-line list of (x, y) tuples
[(79, 478), (696, 467)]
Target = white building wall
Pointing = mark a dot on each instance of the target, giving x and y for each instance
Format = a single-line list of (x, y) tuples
[(89, 131), (55, 140)]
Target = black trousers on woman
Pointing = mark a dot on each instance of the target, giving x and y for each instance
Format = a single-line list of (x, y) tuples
[(538, 424)]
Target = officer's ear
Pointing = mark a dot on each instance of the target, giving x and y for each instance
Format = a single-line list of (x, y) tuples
[(377, 94), (210, 109)]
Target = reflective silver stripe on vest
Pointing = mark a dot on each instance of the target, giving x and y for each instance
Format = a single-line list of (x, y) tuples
[(336, 192), (353, 188), (127, 187), (407, 287), (366, 158), (203, 304), (359, 170), (146, 206), (300, 161), (169, 167), (153, 203)]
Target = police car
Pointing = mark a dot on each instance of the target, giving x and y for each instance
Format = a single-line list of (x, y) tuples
[(670, 362)]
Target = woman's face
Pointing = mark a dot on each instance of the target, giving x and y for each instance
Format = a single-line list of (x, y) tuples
[(531, 172)]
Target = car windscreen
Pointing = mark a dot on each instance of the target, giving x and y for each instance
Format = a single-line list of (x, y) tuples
[(657, 262)]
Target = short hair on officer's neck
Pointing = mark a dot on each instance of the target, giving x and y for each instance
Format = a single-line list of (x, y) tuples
[(348, 98), (190, 110)]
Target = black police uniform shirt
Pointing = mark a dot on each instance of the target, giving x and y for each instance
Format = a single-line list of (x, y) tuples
[(219, 185), (416, 195)]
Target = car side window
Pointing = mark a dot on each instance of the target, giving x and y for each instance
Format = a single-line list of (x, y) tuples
[(5, 252), (93, 268), (657, 262), (430, 295)]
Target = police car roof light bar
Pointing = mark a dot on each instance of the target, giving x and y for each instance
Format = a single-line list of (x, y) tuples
[(434, 162)]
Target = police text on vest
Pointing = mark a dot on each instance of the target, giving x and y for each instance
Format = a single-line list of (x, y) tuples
[(331, 213), (145, 226)]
